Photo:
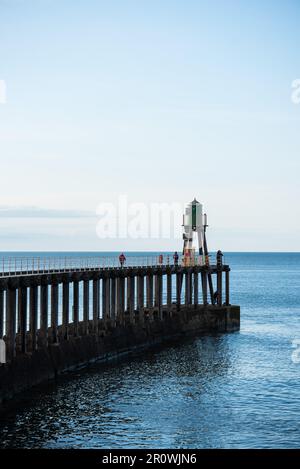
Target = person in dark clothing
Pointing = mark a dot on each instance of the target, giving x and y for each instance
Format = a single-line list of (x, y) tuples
[(219, 257), (175, 257), (122, 259)]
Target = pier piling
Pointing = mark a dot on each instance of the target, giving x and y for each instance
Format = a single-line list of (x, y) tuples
[(11, 313), (65, 309), (33, 316), (23, 317), (86, 306), (54, 312), (1, 313)]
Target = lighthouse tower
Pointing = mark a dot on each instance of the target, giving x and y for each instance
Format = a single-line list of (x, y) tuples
[(194, 224)]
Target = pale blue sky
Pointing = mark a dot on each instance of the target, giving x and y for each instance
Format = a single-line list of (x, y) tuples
[(160, 100)]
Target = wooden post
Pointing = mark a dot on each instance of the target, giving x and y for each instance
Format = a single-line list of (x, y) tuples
[(44, 315), (104, 282), (130, 298), (11, 322), (98, 302), (160, 295), (196, 294), (108, 298), (120, 299), (75, 306), (187, 288), (156, 290), (33, 314), (211, 287), (219, 286), (140, 286), (66, 308), (128, 294), (23, 317), (227, 288), (149, 291), (169, 293), (1, 314), (204, 286), (86, 305), (178, 290), (54, 312), (113, 300), (149, 295), (95, 304), (208, 275), (123, 298), (18, 325)]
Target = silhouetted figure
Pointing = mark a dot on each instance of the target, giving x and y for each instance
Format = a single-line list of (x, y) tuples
[(175, 257), (122, 259), (219, 258)]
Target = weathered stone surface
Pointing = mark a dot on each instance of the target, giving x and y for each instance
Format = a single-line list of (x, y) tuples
[(27, 370)]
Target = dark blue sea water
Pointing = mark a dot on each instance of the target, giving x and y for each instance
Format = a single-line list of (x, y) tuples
[(238, 390)]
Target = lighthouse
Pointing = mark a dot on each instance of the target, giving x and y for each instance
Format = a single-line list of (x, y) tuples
[(194, 225)]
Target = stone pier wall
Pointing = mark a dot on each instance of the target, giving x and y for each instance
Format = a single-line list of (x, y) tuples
[(123, 309), (45, 363)]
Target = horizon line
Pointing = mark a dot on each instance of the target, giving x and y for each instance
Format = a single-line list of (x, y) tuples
[(155, 251)]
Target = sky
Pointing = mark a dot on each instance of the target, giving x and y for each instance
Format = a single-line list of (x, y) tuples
[(155, 102)]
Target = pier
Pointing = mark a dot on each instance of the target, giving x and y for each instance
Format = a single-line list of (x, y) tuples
[(56, 315)]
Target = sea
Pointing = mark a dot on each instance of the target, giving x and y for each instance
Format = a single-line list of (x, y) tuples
[(234, 390)]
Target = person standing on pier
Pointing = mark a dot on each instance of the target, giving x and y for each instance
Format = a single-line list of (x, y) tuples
[(175, 257), (122, 259), (219, 258)]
